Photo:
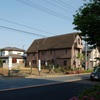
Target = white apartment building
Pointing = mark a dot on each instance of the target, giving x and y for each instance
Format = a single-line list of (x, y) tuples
[(16, 54), (91, 55)]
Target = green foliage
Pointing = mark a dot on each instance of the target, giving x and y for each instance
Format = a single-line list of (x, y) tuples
[(1, 62), (66, 69), (87, 20), (87, 71), (80, 56), (92, 93), (58, 70)]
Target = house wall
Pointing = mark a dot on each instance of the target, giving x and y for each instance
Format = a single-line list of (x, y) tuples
[(60, 59), (56, 55), (20, 61), (60, 62), (31, 59), (91, 57), (60, 55), (4, 53), (14, 65), (76, 48), (17, 52)]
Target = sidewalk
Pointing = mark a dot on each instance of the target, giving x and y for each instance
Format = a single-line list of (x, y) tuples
[(43, 73)]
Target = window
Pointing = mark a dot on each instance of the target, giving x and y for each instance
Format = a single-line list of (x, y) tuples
[(51, 52), (74, 62), (14, 60), (28, 54), (65, 63), (42, 62), (66, 51), (34, 61), (17, 53), (42, 53), (53, 61), (3, 53), (33, 54), (78, 50)]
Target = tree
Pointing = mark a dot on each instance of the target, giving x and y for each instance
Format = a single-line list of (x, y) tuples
[(80, 56), (87, 21)]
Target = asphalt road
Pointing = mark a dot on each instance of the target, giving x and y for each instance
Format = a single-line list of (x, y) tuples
[(61, 91), (8, 83)]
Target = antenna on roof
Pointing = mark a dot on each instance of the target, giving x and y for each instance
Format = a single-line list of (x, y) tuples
[(44, 40), (23, 47)]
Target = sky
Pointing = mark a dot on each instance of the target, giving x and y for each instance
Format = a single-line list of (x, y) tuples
[(23, 21)]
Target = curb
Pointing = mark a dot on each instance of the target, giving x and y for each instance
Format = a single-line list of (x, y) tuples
[(43, 76)]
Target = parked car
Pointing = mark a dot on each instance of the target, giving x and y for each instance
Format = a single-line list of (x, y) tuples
[(95, 75)]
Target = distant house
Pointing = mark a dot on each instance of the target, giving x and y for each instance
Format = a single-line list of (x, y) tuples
[(61, 50), (91, 55), (16, 54)]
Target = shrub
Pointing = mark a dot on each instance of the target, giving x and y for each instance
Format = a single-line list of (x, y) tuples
[(87, 71), (1, 63), (89, 94), (57, 70)]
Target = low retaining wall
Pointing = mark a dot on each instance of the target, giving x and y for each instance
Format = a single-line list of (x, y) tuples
[(14, 65), (1, 70), (5, 69)]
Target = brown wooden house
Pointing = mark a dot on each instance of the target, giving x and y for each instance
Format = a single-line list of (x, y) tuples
[(61, 50)]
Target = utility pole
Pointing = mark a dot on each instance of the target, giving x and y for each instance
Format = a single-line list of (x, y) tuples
[(85, 55)]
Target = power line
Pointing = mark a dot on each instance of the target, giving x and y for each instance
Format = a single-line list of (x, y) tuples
[(25, 26), (71, 7), (57, 6), (13, 29), (39, 7), (64, 5)]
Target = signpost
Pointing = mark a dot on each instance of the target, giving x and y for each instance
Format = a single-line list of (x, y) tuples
[(10, 62), (10, 65), (39, 66)]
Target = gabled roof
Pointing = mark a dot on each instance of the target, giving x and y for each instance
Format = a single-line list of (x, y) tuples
[(55, 42), (13, 56), (12, 49)]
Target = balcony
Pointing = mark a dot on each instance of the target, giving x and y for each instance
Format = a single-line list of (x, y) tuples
[(76, 45)]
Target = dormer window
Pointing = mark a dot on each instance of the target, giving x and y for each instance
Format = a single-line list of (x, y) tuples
[(78, 41)]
